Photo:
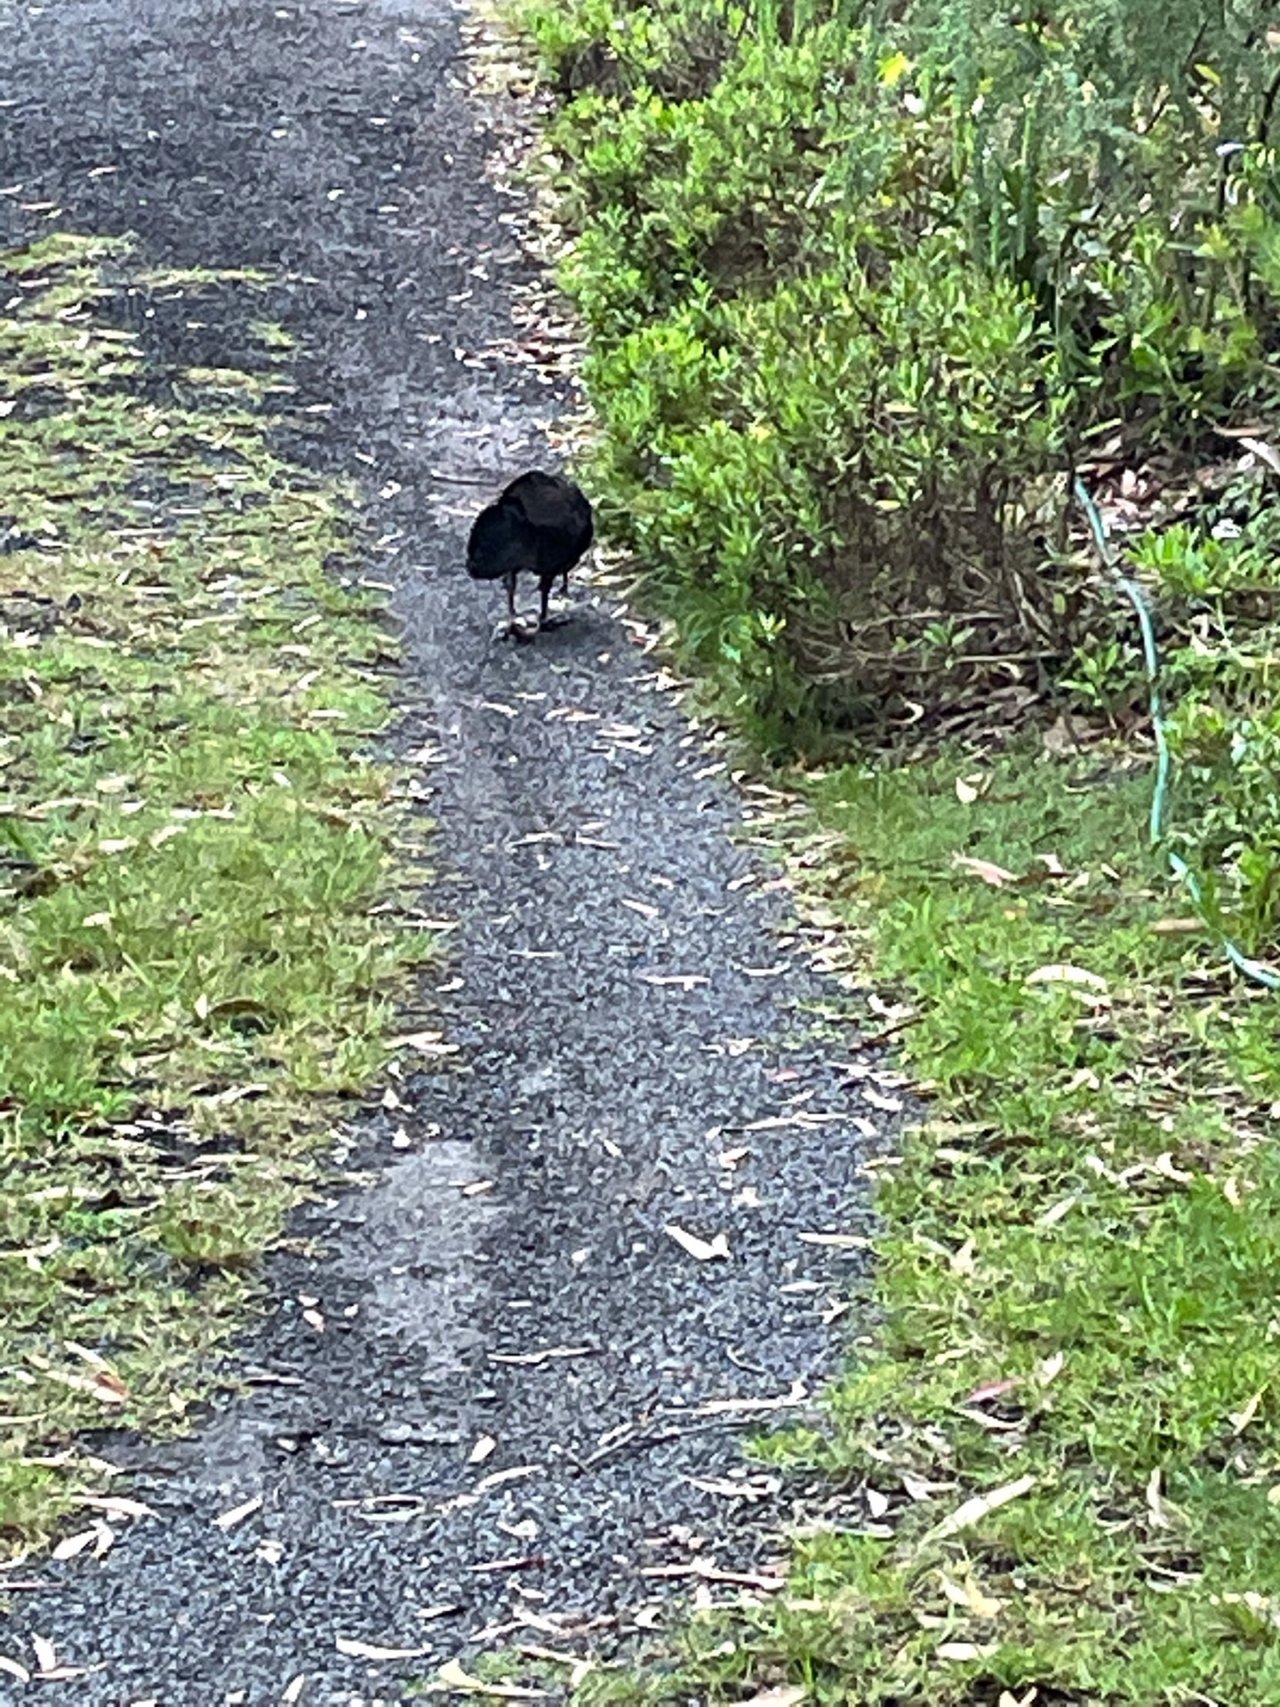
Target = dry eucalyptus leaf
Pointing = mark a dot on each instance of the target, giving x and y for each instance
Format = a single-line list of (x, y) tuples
[(969, 1594), (371, 1651), (1264, 453), (981, 1505), (960, 1651), (702, 1250), (1064, 974), (229, 1520), (71, 1546), (117, 1506), (961, 1261), (995, 875), (1155, 1501), (46, 1655), (1241, 1419), (452, 1676), (544, 1355)]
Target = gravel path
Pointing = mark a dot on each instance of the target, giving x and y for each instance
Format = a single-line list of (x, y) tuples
[(524, 1421)]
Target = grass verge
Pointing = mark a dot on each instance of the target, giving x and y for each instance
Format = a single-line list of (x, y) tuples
[(192, 837), (1061, 1447)]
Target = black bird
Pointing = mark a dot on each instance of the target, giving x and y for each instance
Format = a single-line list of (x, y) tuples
[(541, 525)]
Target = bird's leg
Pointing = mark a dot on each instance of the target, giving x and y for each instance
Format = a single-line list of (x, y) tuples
[(515, 628), (545, 621)]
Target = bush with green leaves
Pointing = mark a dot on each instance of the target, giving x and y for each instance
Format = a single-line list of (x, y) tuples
[(1216, 585), (864, 285)]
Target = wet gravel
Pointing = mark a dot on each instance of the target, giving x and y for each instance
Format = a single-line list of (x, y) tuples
[(524, 1419)]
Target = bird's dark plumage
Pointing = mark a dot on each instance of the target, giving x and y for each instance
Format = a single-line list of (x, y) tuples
[(540, 525)]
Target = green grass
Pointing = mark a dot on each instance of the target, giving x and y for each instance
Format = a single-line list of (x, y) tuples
[(192, 839), (1077, 1283)]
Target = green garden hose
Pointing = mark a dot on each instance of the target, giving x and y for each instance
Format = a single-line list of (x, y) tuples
[(1251, 969)]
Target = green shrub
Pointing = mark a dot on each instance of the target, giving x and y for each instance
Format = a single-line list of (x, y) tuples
[(864, 286), (1216, 584)]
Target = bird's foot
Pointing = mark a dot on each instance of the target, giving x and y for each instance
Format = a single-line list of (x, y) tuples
[(523, 627), (557, 619)]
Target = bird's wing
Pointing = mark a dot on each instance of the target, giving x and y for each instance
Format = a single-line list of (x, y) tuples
[(500, 544), (548, 502)]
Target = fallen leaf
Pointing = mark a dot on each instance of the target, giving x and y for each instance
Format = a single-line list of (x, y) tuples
[(961, 1261), (797, 1394), (918, 1489), (702, 1250), (642, 907), (1264, 452), (1050, 1369), (991, 1390), (1155, 1502), (1058, 1212), (71, 1546), (293, 1690), (758, 1489), (11, 1668), (995, 875), (544, 1355), (452, 1676), (116, 1505), (46, 1655), (512, 1562), (484, 1448), (425, 1042), (237, 1514), (1064, 974), (709, 1572), (981, 1505), (965, 1650), (371, 1651), (1241, 1419), (106, 1388), (968, 1593)]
